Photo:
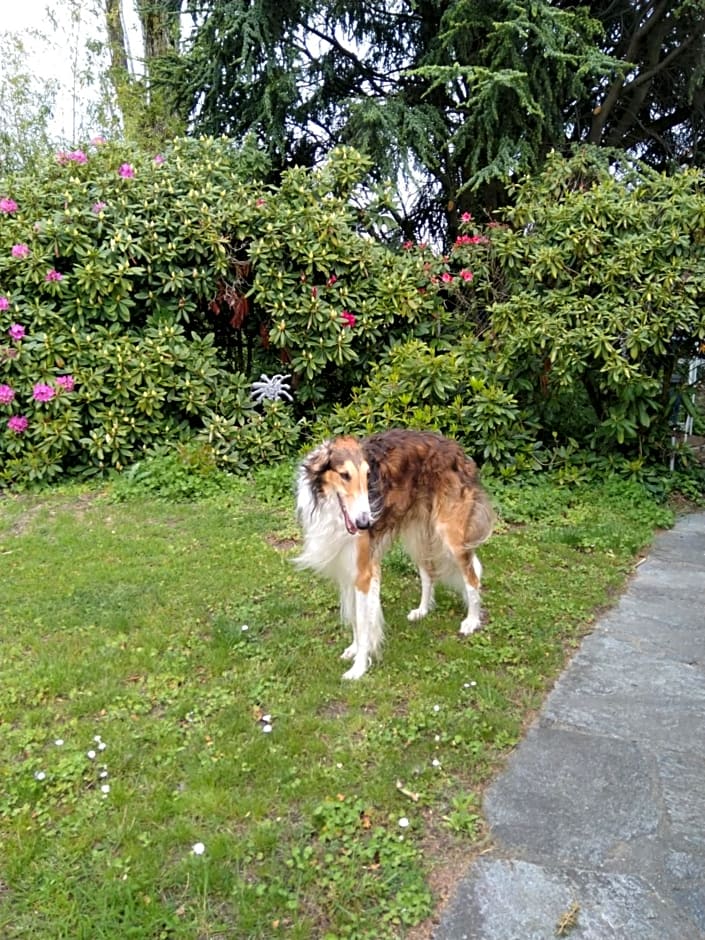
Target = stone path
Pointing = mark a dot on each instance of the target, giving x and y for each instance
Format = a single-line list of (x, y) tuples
[(598, 820)]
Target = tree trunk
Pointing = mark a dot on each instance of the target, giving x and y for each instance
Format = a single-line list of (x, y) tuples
[(148, 111), (119, 71)]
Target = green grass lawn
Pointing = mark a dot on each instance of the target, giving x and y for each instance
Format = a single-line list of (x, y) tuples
[(180, 756)]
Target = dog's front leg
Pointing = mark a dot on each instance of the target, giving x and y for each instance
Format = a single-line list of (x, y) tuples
[(368, 611), (348, 615), (369, 615)]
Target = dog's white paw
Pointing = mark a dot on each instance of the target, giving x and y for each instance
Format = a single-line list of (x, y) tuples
[(418, 613), (469, 625), (356, 671), (349, 652)]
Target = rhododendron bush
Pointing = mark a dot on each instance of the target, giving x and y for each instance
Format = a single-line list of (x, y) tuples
[(582, 309), (603, 305), (140, 295)]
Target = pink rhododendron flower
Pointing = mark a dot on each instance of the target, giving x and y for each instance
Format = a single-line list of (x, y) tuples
[(4, 303), (53, 275), (470, 240), (348, 317), (8, 205), (446, 277), (331, 280), (65, 382), (159, 159), (466, 275), (20, 251), (407, 246), (98, 207), (71, 156), (260, 202), (17, 332), (7, 394), (18, 424), (126, 171), (43, 392), (466, 217)]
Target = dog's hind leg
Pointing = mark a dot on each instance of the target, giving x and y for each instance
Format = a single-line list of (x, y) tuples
[(471, 578), (467, 572), (427, 601)]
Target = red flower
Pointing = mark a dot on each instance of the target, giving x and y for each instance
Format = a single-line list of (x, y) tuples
[(348, 318), (469, 240)]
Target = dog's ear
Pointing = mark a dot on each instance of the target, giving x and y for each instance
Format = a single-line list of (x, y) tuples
[(319, 459)]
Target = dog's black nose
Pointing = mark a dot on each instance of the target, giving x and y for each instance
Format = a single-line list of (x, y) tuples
[(363, 521)]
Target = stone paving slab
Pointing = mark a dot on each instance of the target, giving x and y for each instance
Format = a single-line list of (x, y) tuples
[(679, 639), (602, 804), (515, 900)]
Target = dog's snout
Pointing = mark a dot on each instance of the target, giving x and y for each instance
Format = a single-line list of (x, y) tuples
[(363, 521)]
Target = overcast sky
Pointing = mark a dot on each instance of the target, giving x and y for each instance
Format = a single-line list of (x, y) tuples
[(53, 58), (25, 15), (19, 16)]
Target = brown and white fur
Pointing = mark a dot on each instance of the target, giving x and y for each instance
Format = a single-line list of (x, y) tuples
[(354, 497)]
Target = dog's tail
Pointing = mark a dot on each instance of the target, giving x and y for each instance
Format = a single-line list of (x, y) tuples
[(480, 520)]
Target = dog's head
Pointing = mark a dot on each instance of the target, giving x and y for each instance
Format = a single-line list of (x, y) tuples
[(338, 470)]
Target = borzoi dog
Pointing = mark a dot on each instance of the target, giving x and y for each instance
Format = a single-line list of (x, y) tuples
[(354, 497)]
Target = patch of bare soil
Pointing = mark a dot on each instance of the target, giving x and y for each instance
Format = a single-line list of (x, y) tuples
[(334, 709), (280, 544), (76, 505), (451, 861)]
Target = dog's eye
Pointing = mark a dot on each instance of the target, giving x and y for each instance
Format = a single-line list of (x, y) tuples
[(344, 475)]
